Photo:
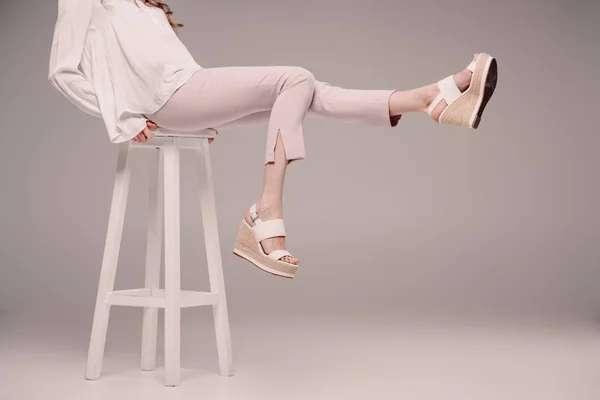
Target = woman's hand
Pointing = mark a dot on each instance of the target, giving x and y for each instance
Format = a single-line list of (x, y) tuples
[(210, 140), (146, 134)]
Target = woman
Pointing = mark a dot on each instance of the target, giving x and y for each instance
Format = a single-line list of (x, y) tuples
[(121, 60)]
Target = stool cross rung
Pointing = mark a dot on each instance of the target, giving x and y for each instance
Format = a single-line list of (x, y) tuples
[(155, 298)]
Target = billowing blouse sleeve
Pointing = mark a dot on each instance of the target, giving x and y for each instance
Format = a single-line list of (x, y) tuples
[(67, 49)]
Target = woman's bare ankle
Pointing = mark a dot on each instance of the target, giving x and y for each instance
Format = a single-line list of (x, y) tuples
[(269, 208)]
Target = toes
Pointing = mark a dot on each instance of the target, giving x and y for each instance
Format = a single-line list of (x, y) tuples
[(290, 260), (437, 111)]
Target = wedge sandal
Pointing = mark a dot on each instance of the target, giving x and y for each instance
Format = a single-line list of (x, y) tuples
[(465, 109), (247, 245)]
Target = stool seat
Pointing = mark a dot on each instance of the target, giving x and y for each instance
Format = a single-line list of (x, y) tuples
[(205, 133), (163, 219), (160, 136)]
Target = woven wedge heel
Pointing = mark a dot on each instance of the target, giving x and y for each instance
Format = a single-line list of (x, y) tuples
[(465, 109), (247, 245)]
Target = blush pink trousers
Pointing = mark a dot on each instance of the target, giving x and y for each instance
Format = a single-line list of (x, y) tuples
[(232, 96)]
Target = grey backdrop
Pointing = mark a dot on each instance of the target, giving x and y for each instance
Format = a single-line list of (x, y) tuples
[(501, 221)]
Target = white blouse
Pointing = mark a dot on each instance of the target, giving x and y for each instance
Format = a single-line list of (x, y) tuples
[(117, 61)]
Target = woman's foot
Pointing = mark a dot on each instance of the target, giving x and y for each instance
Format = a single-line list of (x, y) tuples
[(462, 80), (269, 245)]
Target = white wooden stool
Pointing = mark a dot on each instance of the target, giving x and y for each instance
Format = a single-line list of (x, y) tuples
[(166, 146)]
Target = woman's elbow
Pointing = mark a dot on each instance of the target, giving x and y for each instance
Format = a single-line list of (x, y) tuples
[(58, 80), (54, 77)]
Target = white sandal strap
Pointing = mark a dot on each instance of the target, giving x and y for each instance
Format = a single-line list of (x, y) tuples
[(268, 229), (449, 90), (471, 66), (434, 103), (253, 213), (265, 229), (278, 254)]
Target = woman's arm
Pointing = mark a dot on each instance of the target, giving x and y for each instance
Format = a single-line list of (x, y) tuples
[(70, 32)]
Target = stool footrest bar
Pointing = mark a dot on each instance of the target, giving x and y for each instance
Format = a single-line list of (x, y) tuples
[(155, 298)]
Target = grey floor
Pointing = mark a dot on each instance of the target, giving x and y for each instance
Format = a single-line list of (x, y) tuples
[(310, 357)]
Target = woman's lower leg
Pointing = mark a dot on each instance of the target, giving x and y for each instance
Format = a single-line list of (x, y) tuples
[(270, 204), (414, 100), (271, 198)]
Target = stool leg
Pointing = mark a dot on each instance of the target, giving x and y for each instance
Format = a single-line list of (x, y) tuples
[(215, 266), (172, 265), (153, 260), (109, 264)]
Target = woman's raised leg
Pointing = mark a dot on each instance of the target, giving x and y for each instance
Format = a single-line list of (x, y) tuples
[(232, 96), (369, 107)]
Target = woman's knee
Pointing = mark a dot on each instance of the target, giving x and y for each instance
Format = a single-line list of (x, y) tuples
[(302, 75), (307, 76)]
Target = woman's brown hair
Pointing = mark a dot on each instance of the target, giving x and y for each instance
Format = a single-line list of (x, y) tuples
[(163, 6)]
